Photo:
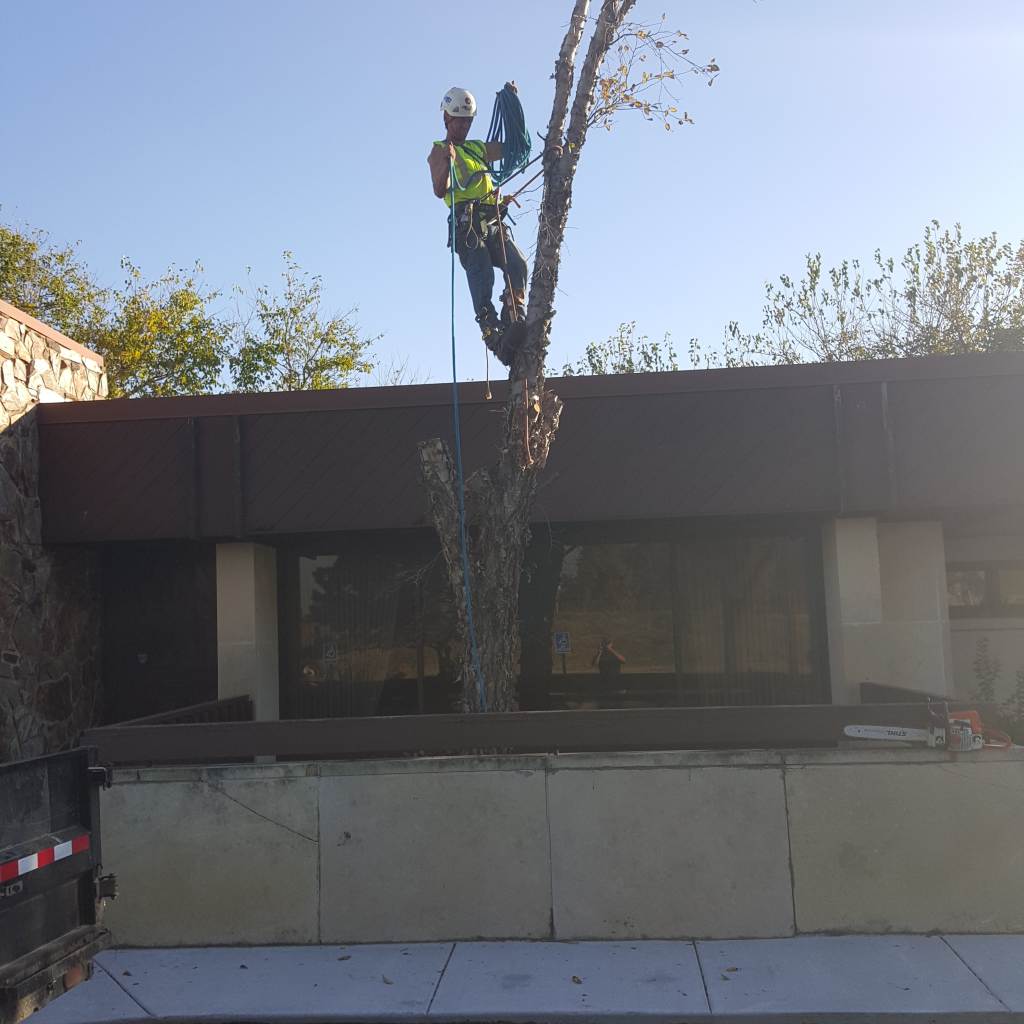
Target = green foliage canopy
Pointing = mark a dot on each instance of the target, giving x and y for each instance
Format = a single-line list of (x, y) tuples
[(286, 342), (171, 336), (947, 296), (624, 352)]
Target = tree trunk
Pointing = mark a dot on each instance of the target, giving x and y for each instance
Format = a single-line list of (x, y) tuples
[(499, 500), (498, 505)]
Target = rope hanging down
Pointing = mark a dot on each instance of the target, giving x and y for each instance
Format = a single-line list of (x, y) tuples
[(461, 482)]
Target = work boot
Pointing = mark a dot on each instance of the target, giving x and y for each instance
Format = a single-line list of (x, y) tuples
[(493, 333), (514, 323), (507, 305)]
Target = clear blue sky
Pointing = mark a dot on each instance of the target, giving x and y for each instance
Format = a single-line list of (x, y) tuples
[(228, 131)]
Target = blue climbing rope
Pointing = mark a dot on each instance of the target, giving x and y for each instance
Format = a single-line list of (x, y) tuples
[(508, 126), (463, 543)]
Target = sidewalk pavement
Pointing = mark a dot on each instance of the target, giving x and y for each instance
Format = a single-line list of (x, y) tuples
[(977, 977)]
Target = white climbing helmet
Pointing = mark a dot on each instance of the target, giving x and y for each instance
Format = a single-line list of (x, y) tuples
[(459, 103)]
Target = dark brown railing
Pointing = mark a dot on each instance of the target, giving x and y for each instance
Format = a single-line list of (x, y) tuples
[(232, 709), (523, 732), (880, 693)]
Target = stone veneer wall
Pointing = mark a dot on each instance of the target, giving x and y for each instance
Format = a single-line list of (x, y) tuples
[(49, 597)]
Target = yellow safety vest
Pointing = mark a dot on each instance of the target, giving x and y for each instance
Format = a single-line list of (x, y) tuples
[(470, 170)]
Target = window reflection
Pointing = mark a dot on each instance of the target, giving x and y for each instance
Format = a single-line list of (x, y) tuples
[(985, 590), (617, 593), (966, 588), (614, 605), (605, 623), (705, 620), (744, 612), (1011, 588), (375, 635)]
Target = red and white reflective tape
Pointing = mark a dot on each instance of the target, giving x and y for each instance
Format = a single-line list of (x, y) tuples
[(23, 865)]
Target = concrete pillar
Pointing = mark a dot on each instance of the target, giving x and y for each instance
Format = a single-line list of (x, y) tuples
[(915, 606), (853, 604), (247, 661), (886, 606)]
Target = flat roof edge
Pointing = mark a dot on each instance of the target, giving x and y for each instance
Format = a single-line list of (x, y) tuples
[(746, 378)]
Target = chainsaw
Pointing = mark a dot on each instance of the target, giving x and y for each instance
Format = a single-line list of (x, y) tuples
[(960, 731)]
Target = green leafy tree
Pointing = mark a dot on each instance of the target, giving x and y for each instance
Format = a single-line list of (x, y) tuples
[(157, 337), (624, 352), (51, 282), (947, 296), (286, 343), (161, 337)]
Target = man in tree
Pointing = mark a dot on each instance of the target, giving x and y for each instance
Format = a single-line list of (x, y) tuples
[(482, 241), (484, 550)]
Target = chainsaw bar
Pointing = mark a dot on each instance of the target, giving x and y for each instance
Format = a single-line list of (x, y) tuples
[(930, 737)]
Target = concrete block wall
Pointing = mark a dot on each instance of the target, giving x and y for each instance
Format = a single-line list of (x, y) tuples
[(583, 846), (49, 604)]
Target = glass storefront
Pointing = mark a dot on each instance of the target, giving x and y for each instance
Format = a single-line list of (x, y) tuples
[(609, 618), (687, 620), (373, 633), (613, 619)]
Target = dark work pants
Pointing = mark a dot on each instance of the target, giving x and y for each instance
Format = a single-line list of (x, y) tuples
[(480, 251)]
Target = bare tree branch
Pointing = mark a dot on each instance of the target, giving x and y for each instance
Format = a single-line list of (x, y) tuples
[(564, 70), (613, 12)]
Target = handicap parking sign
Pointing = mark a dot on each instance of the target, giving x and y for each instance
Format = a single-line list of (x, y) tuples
[(563, 643)]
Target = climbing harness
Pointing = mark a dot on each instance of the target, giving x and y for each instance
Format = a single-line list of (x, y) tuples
[(461, 481)]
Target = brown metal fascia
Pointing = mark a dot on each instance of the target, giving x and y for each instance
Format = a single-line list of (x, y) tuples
[(748, 378), (890, 447), (839, 437)]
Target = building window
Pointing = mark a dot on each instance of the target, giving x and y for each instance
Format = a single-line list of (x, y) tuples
[(745, 611), (989, 590), (698, 620), (369, 631), (616, 617)]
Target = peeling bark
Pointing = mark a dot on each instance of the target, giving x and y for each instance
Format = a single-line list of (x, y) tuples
[(499, 499)]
